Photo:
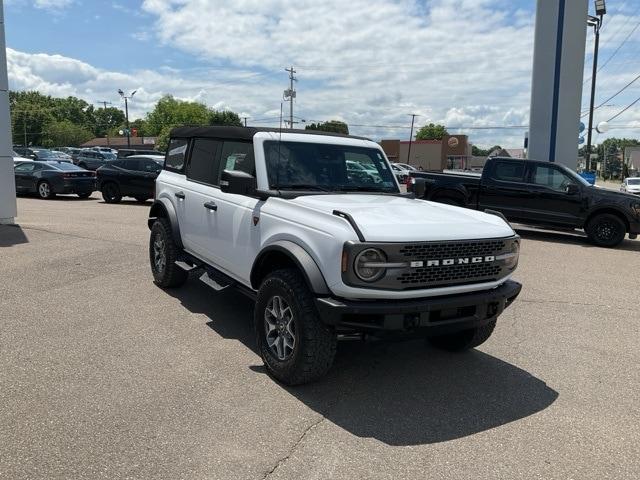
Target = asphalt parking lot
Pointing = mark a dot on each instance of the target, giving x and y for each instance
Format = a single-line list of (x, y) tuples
[(104, 375)]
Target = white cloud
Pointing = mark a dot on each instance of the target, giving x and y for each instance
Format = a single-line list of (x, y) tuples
[(464, 63), (52, 4)]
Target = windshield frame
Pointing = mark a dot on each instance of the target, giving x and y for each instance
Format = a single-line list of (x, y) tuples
[(388, 186)]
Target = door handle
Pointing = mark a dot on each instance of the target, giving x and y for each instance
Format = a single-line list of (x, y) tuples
[(179, 195), (211, 206)]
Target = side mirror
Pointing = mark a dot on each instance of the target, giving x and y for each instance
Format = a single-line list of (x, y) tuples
[(237, 182), (419, 187), (572, 189)]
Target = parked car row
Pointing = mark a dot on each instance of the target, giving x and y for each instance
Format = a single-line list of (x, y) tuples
[(133, 176)]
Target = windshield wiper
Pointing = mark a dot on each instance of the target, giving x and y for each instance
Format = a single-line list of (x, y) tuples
[(302, 186), (364, 188)]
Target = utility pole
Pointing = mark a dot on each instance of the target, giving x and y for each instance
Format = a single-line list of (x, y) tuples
[(24, 127), (245, 120), (413, 118), (105, 103), (290, 94), (126, 113)]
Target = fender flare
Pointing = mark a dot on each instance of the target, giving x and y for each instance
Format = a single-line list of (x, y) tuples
[(162, 207), (305, 263)]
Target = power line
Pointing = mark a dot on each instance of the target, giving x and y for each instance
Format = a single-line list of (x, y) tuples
[(625, 109), (604, 64), (614, 95)]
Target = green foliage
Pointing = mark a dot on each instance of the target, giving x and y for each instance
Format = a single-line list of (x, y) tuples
[(431, 131), (38, 119), (65, 133), (224, 117), (335, 126), (162, 139)]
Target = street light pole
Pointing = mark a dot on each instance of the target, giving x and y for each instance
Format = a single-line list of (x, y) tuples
[(126, 113), (596, 23)]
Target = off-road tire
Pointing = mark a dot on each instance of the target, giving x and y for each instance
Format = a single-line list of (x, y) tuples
[(315, 342), (464, 340), (111, 192), (43, 192), (171, 275), (606, 230)]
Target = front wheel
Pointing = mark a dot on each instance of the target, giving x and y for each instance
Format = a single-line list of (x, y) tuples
[(163, 253), (294, 344), (606, 230), (463, 340)]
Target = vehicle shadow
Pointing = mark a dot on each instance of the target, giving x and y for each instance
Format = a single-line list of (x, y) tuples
[(400, 393), (571, 238), (125, 201), (12, 235)]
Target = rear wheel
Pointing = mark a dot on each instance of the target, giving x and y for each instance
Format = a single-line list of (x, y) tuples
[(294, 344), (163, 253), (111, 193), (44, 190), (606, 230), (464, 340)]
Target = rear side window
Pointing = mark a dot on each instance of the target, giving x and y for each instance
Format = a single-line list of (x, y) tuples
[(204, 161), (509, 171), (238, 156), (175, 154)]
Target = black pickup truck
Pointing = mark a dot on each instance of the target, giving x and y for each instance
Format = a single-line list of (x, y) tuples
[(537, 193)]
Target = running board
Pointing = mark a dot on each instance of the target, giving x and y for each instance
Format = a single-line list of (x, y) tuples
[(217, 284), (184, 265)]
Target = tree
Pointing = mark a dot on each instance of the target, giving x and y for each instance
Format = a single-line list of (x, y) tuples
[(103, 120), (170, 112), (431, 131), (335, 126), (58, 133), (162, 139), (224, 117)]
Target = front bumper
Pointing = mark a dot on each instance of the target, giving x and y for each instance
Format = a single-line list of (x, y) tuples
[(434, 314)]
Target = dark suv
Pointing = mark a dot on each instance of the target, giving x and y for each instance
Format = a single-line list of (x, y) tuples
[(92, 159), (133, 176)]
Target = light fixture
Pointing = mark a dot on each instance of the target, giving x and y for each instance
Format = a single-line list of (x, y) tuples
[(601, 8)]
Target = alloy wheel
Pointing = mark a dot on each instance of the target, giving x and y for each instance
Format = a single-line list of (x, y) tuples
[(159, 253), (279, 326), (44, 190)]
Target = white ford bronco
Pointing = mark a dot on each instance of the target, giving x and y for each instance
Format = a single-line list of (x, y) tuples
[(315, 229)]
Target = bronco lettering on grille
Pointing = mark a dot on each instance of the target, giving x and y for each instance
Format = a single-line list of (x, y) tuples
[(454, 261)]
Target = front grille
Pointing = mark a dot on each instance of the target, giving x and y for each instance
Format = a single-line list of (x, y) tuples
[(455, 274), (437, 264), (423, 251)]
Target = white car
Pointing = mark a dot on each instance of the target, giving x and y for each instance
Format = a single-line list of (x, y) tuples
[(277, 216), (631, 185), (18, 159), (407, 167)]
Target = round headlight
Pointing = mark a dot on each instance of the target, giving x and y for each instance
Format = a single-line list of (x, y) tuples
[(365, 264)]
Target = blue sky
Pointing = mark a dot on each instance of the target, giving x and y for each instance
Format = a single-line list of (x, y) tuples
[(464, 63)]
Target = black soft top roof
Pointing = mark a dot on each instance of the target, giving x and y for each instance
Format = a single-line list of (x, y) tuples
[(243, 133)]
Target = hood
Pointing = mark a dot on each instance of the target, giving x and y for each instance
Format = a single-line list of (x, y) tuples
[(615, 195), (386, 218)]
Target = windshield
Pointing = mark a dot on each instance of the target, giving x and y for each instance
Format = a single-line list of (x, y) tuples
[(633, 181), (324, 167), (109, 155)]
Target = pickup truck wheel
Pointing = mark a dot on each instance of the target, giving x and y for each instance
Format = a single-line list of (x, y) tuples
[(606, 230), (111, 193), (464, 340), (294, 344), (163, 253)]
